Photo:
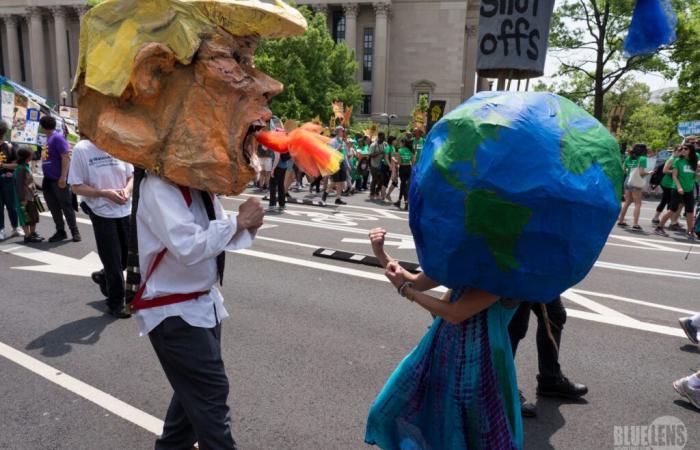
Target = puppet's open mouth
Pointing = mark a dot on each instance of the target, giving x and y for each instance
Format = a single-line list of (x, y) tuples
[(250, 145)]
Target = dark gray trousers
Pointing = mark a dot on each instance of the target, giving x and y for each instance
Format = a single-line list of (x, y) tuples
[(191, 359), (60, 204)]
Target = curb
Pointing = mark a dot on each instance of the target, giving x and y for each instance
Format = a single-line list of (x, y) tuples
[(359, 258)]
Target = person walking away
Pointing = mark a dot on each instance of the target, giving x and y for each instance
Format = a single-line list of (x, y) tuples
[(57, 192), (406, 160), (277, 182), (265, 157), (338, 179), (8, 164), (106, 184), (636, 161), (393, 168), (376, 156), (683, 174), (25, 189), (666, 186)]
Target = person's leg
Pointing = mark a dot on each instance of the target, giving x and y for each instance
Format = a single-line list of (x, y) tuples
[(191, 359), (273, 190), (7, 185), (284, 182), (665, 199), (689, 201), (109, 250), (65, 197), (517, 328), (637, 198), (49, 187), (625, 205)]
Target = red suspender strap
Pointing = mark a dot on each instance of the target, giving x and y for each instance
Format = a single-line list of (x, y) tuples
[(138, 302)]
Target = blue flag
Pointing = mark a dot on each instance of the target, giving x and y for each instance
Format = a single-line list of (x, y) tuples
[(653, 25)]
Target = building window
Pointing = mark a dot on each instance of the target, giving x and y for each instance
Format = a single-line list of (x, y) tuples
[(367, 51), (367, 104), (338, 26)]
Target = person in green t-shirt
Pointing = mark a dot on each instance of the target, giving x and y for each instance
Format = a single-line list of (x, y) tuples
[(392, 157), (683, 173), (418, 142), (406, 158), (634, 166), (362, 171), (667, 187)]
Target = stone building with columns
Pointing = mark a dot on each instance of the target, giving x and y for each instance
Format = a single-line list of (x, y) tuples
[(404, 48), (408, 48), (39, 44)]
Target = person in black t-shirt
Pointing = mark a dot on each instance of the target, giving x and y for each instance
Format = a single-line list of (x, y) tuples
[(8, 164)]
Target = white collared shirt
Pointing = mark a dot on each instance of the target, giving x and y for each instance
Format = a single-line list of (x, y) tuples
[(189, 265)]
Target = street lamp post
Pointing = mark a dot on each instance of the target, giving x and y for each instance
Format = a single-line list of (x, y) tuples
[(64, 97), (388, 118)]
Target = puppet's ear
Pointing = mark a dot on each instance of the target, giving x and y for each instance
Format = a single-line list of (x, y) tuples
[(151, 65)]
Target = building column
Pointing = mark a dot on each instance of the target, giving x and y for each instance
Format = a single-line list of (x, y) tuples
[(350, 10), (37, 55), (381, 18), (62, 64), (13, 59)]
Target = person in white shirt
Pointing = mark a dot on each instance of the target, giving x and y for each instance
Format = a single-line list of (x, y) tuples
[(186, 231), (105, 183)]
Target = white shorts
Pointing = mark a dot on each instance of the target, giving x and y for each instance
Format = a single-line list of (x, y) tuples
[(266, 164)]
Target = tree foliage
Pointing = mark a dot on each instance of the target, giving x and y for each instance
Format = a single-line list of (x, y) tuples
[(650, 125), (596, 28), (685, 103), (314, 69)]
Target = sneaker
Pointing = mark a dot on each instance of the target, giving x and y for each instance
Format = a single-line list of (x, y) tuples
[(561, 387), (636, 228), (77, 237), (281, 208), (339, 202), (397, 204), (691, 237), (33, 239), (660, 232), (690, 331), (41, 238), (17, 232), (272, 208), (692, 395), (58, 236), (655, 221), (527, 409), (2, 235), (118, 313), (676, 227)]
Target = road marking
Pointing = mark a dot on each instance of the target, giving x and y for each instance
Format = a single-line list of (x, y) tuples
[(599, 313), (77, 218), (54, 262), (648, 270), (84, 390), (282, 241), (406, 244), (636, 302)]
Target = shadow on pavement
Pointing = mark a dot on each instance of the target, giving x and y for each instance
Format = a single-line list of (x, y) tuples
[(690, 349), (539, 430), (685, 404), (85, 331)]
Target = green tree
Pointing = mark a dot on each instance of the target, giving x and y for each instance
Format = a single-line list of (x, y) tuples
[(597, 27), (685, 103), (314, 69), (651, 126)]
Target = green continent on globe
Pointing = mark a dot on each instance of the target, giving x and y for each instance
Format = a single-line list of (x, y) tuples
[(595, 145), (465, 132), (499, 221)]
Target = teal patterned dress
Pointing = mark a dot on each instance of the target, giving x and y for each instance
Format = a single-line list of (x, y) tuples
[(456, 390)]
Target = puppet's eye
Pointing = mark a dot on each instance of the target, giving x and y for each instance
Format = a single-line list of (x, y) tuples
[(236, 57)]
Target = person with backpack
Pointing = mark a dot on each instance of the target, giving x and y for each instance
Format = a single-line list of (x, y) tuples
[(8, 164), (28, 213), (662, 178), (683, 173), (634, 167)]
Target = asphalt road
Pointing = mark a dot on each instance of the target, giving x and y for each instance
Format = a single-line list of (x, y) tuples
[(311, 341)]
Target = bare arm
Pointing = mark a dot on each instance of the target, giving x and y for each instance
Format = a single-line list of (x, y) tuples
[(65, 164), (667, 165), (421, 281), (674, 174)]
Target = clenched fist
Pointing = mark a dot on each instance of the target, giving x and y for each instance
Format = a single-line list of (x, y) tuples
[(250, 215)]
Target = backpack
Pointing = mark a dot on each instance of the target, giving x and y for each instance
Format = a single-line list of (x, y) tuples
[(657, 176)]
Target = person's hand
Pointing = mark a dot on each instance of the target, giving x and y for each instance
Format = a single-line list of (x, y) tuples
[(681, 191), (250, 215), (395, 273), (376, 237), (62, 183), (115, 196)]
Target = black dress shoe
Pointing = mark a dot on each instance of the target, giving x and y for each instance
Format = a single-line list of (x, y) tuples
[(58, 236), (561, 387), (527, 409), (33, 239), (118, 313), (77, 237)]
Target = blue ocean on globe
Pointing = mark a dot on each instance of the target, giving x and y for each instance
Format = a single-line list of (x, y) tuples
[(514, 194)]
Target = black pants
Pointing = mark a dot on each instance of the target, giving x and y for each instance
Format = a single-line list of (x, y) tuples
[(405, 177), (665, 199), (60, 203), (111, 238), (191, 359), (7, 201), (277, 187), (375, 186), (316, 184), (547, 354)]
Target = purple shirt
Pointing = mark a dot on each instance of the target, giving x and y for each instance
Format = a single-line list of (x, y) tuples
[(51, 165)]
